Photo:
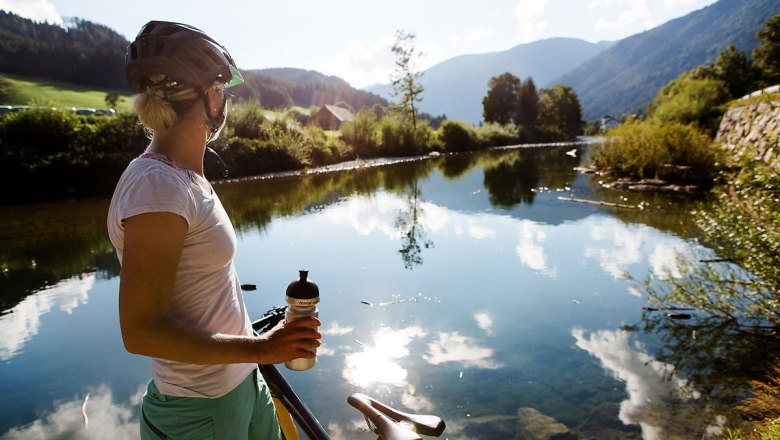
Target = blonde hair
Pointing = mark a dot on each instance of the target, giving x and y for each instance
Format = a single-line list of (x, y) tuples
[(159, 107)]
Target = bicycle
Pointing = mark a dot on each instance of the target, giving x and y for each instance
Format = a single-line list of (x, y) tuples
[(384, 421)]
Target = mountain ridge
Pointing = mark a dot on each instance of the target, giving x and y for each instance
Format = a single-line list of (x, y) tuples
[(474, 71), (625, 78)]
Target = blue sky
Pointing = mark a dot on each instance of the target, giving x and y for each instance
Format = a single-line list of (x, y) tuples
[(352, 38)]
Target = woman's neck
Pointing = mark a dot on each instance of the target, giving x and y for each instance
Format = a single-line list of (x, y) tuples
[(185, 145)]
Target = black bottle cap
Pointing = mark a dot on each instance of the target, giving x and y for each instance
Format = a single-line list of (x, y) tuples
[(303, 288)]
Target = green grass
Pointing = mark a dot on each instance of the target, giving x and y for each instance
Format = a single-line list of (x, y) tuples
[(766, 97), (23, 90)]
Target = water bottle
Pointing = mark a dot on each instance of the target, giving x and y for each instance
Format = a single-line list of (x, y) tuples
[(302, 298)]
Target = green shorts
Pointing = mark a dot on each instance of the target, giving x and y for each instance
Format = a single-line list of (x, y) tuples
[(247, 412)]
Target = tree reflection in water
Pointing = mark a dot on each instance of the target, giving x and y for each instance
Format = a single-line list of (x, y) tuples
[(731, 337), (414, 238)]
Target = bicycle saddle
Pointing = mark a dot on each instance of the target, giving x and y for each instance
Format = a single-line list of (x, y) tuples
[(392, 424)]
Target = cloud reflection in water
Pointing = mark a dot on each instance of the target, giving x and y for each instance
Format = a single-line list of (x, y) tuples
[(107, 420), (650, 384), (23, 321), (454, 347), (378, 363)]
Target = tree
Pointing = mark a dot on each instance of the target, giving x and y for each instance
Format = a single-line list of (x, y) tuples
[(501, 101), (688, 101), (560, 113), (527, 111), (767, 55), (736, 69), (405, 78), (111, 99)]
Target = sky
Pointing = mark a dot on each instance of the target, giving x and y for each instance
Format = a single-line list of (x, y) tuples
[(351, 39)]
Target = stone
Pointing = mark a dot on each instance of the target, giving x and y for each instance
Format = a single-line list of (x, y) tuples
[(533, 425), (604, 424), (490, 427)]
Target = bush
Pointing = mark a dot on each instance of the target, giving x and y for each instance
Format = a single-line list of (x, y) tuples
[(494, 135), (362, 133), (690, 101), (644, 149), (245, 120), (457, 136)]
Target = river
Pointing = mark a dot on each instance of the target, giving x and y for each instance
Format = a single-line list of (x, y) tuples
[(460, 285)]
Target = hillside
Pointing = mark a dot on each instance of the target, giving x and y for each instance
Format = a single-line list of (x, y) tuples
[(90, 54), (455, 87), (286, 87), (22, 90), (81, 53), (625, 78)]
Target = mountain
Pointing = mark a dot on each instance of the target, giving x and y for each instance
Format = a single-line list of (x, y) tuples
[(91, 54), (625, 78), (284, 87), (455, 87)]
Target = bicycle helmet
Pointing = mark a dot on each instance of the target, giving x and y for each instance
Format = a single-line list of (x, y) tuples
[(185, 54)]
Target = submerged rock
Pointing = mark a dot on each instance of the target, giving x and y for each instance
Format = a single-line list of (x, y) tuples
[(490, 427), (604, 424), (533, 425)]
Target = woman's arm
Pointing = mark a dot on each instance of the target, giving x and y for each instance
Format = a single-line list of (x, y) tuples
[(152, 249)]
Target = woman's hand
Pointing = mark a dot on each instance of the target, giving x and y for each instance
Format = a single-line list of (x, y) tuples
[(289, 340)]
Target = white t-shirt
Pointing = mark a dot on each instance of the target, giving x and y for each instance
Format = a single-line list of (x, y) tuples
[(207, 292)]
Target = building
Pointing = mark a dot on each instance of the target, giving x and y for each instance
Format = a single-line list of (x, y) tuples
[(330, 117), (608, 122)]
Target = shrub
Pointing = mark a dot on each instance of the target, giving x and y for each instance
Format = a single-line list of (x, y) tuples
[(245, 120), (690, 101), (362, 133), (494, 135), (393, 136), (457, 136), (640, 149)]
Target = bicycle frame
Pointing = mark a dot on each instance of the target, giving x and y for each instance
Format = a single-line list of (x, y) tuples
[(281, 389)]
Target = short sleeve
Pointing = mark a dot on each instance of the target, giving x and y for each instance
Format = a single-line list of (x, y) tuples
[(156, 191)]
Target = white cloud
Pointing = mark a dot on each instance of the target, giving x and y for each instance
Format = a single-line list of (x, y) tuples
[(665, 262), (107, 419), (379, 362), (337, 330), (484, 321), (24, 320), (454, 347), (625, 247), (530, 247), (478, 232), (416, 403), (37, 10), (650, 385), (361, 63), (530, 25)]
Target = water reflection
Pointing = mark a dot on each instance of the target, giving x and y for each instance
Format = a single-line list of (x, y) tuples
[(106, 419), (657, 398), (23, 321), (485, 322), (530, 247), (464, 350), (379, 362), (414, 237), (616, 247), (43, 244)]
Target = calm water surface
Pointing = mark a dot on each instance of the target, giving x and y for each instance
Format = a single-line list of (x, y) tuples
[(488, 293)]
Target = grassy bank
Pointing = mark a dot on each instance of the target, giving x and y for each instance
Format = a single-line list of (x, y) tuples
[(21, 90)]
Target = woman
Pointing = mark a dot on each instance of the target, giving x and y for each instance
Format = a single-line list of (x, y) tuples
[(179, 296)]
